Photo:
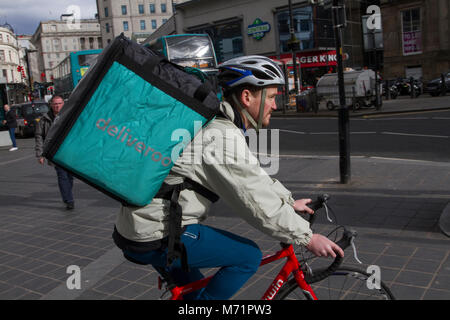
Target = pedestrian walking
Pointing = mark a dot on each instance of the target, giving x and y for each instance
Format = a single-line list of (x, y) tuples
[(11, 122), (65, 179)]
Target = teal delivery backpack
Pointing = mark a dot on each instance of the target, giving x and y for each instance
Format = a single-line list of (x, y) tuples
[(115, 130)]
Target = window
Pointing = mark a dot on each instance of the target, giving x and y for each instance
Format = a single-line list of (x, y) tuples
[(163, 8), (2, 55), (411, 31), (141, 9), (57, 44), (142, 23), (91, 43), (99, 41), (107, 28), (124, 10), (227, 40), (153, 24), (125, 26), (106, 12), (164, 21), (152, 8), (303, 28), (83, 43)]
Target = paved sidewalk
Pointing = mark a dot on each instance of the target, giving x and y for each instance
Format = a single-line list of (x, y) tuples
[(393, 204)]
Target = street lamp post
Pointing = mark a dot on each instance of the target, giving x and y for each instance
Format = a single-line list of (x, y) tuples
[(338, 11), (294, 44)]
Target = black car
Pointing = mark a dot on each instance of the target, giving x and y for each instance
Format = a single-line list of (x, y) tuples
[(28, 114), (434, 87)]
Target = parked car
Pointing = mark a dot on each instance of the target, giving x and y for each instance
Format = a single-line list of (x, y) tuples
[(434, 87), (28, 114)]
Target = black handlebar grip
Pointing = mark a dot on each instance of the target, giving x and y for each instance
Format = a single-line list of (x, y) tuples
[(344, 242), (316, 205)]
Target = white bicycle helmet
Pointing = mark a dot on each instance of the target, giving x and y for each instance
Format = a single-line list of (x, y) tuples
[(254, 70), (258, 71)]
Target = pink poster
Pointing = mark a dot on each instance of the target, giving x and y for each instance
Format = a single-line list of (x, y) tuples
[(412, 42)]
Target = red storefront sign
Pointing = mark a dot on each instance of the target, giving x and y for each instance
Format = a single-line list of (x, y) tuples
[(311, 59)]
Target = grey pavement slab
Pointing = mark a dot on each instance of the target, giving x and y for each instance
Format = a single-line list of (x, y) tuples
[(394, 205)]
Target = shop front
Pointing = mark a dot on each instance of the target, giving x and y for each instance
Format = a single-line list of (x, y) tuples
[(242, 27), (310, 66)]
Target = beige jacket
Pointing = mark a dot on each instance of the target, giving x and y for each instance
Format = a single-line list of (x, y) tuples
[(219, 159)]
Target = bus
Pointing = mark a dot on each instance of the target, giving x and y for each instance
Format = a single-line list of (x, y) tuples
[(69, 72), (187, 50)]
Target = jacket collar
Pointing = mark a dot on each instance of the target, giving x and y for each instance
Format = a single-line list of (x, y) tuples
[(232, 114)]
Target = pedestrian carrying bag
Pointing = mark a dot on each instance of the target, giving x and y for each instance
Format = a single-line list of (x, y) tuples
[(115, 131)]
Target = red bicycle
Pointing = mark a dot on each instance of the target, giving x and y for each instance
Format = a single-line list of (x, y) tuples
[(296, 280)]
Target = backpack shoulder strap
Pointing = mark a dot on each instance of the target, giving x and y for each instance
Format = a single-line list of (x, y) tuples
[(176, 249)]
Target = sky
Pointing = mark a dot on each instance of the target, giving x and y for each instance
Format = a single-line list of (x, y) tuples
[(24, 15)]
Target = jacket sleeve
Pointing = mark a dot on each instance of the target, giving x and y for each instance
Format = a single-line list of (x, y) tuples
[(232, 171), (39, 137), (11, 119)]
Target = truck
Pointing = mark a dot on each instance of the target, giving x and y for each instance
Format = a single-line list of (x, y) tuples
[(359, 89)]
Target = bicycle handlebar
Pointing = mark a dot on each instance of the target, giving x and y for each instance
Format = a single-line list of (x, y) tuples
[(321, 274), (343, 243), (316, 205)]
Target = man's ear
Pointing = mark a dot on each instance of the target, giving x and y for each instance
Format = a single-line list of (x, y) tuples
[(246, 96)]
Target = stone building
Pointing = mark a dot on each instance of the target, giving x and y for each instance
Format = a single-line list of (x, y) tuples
[(13, 68), (55, 39), (137, 19), (416, 37), (243, 27)]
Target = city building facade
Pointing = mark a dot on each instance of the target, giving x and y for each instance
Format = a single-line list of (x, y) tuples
[(416, 38), (55, 39), (13, 67), (136, 19), (243, 27)]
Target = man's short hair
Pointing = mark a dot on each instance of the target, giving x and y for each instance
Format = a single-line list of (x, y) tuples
[(238, 91), (54, 97)]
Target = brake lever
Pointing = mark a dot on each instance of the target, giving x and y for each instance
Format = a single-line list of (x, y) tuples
[(355, 255)]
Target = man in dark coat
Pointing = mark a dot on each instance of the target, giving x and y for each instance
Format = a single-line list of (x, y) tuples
[(65, 179), (11, 122)]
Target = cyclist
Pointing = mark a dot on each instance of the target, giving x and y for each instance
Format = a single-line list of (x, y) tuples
[(250, 85)]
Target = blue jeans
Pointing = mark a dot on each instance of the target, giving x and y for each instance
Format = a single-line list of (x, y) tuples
[(12, 135), (207, 247), (65, 184)]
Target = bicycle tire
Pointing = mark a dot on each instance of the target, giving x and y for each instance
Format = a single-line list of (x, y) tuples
[(343, 284)]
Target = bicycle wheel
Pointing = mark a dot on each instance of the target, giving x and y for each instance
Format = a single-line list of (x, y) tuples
[(347, 283)]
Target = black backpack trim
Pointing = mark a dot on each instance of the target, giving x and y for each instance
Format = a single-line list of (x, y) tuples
[(176, 249)]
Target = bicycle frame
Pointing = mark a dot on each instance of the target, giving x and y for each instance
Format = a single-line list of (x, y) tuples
[(291, 266)]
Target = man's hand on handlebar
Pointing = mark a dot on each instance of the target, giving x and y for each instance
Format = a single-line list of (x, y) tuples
[(321, 246), (301, 206)]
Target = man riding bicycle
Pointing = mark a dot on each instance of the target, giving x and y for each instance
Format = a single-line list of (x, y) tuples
[(250, 86)]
